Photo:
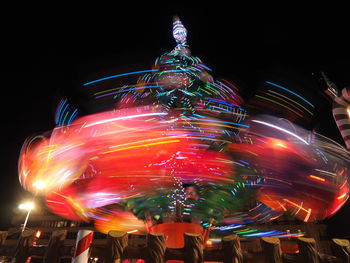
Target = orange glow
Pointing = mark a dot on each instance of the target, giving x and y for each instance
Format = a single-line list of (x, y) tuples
[(209, 243), (281, 145), (121, 221), (276, 143), (38, 234)]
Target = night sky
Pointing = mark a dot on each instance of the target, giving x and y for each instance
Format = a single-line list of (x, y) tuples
[(49, 52)]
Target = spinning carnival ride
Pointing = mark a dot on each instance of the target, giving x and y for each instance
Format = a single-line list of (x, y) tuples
[(181, 150)]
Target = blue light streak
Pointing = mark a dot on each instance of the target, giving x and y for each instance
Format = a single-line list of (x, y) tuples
[(223, 228), (72, 117), (279, 86), (62, 113), (120, 75), (227, 122), (267, 233)]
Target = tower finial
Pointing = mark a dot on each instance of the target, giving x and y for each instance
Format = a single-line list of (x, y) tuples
[(179, 31), (332, 89)]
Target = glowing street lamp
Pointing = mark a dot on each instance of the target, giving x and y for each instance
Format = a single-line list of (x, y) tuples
[(28, 206)]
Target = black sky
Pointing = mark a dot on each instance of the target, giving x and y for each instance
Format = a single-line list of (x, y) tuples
[(48, 52)]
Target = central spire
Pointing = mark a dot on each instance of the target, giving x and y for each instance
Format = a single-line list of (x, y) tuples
[(179, 32)]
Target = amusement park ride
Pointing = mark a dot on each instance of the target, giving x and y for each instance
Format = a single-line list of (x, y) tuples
[(181, 152)]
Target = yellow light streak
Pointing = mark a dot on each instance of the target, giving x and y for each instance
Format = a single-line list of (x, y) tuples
[(262, 97), (317, 178), (142, 145), (341, 196)]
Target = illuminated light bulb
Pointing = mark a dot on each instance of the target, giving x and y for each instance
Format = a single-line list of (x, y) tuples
[(348, 111), (38, 234), (26, 206)]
